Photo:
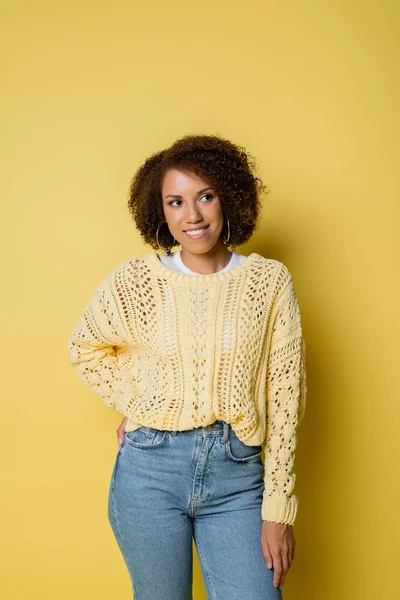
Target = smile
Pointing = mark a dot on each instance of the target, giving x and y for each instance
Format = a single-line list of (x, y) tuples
[(197, 233)]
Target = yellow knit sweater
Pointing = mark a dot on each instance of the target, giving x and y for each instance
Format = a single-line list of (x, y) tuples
[(176, 351)]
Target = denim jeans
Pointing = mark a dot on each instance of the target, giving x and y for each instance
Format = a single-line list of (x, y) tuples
[(169, 487)]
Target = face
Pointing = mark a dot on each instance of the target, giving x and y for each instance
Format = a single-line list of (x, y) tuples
[(190, 203)]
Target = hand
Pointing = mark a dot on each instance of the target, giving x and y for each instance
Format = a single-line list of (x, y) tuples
[(121, 430), (278, 546)]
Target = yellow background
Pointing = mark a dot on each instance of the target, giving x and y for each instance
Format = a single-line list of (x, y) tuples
[(90, 89)]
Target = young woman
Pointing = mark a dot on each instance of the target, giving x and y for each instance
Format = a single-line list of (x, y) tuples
[(203, 353)]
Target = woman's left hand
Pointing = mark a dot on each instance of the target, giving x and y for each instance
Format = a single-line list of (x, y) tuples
[(121, 431), (278, 546)]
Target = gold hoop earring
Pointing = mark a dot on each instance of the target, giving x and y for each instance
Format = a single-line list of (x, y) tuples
[(167, 250)]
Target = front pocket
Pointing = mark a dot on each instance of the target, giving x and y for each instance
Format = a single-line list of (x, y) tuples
[(145, 437), (240, 452)]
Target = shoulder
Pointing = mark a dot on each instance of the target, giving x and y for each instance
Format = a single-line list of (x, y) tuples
[(276, 278), (273, 268), (130, 266), (123, 272)]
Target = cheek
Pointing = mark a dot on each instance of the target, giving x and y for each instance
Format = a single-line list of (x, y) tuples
[(214, 213), (171, 216)]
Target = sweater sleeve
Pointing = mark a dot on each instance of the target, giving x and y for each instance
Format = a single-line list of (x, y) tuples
[(286, 399), (97, 342)]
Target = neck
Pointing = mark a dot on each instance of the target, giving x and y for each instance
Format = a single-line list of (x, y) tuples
[(153, 261), (207, 263)]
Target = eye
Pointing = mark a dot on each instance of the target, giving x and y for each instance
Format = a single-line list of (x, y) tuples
[(204, 195)]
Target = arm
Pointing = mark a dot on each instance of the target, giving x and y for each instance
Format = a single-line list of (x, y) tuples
[(286, 397), (95, 342)]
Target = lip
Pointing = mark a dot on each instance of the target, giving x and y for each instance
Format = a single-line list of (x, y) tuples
[(196, 237), (194, 229)]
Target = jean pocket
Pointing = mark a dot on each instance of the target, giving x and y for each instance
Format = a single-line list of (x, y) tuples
[(238, 451), (145, 437)]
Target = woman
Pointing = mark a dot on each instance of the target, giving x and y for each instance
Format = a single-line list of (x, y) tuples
[(202, 351)]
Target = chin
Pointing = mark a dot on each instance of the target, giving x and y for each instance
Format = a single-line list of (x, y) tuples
[(198, 248)]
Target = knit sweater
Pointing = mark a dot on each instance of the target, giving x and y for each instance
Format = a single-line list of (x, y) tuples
[(176, 351)]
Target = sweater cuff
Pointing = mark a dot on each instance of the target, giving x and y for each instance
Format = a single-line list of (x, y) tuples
[(280, 511)]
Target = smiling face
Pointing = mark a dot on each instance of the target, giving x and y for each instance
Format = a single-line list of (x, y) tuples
[(190, 203)]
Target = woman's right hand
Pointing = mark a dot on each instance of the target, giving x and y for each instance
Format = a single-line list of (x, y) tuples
[(121, 430)]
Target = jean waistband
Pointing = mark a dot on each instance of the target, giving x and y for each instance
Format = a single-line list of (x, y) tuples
[(218, 428)]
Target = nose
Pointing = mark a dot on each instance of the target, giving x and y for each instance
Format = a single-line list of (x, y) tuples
[(193, 215)]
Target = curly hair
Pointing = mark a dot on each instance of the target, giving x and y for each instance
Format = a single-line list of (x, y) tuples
[(227, 167)]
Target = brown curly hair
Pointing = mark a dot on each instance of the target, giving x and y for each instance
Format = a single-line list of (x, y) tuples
[(227, 167)]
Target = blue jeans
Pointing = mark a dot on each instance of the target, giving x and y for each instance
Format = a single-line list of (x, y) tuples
[(168, 487)]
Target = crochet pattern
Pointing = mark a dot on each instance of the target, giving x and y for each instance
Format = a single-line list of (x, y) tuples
[(177, 351)]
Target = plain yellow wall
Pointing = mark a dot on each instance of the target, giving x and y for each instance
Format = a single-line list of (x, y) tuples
[(90, 89)]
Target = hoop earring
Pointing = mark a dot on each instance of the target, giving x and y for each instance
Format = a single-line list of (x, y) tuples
[(167, 250), (226, 240)]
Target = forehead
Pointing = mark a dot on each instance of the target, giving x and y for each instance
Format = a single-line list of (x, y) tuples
[(180, 180)]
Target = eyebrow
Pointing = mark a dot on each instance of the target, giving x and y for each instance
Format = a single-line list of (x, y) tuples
[(198, 193)]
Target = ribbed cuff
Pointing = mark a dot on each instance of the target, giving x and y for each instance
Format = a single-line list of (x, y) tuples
[(279, 510)]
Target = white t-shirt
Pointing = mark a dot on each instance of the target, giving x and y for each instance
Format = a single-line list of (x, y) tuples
[(173, 261)]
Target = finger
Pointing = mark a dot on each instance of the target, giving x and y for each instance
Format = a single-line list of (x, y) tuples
[(277, 570), (266, 552), (267, 558), (285, 566)]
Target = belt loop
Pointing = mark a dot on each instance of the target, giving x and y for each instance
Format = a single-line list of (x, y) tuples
[(226, 429)]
